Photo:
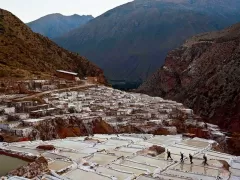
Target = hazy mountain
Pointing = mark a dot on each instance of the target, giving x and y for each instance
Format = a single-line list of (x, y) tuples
[(25, 54), (55, 25), (204, 74), (131, 41)]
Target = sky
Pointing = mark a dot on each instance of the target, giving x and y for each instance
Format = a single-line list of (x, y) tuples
[(29, 10)]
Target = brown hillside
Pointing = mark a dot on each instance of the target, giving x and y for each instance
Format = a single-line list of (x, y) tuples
[(24, 54)]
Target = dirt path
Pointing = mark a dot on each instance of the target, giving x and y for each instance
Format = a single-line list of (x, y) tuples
[(82, 86)]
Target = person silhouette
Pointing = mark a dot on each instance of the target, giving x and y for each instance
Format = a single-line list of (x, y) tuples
[(169, 155), (205, 159), (181, 157), (191, 158)]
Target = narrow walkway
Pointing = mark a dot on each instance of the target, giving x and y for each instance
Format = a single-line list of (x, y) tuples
[(85, 85)]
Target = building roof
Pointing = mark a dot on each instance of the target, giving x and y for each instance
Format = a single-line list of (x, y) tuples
[(67, 72)]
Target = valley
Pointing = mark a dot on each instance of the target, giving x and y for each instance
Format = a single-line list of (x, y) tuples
[(147, 90)]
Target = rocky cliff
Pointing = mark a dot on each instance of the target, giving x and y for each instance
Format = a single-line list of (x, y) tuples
[(24, 54), (204, 74)]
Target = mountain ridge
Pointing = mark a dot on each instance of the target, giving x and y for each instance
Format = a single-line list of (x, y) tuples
[(56, 24), (131, 41)]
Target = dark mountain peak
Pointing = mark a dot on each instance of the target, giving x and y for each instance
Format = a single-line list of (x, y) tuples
[(54, 14), (54, 25), (77, 15), (81, 16), (59, 15)]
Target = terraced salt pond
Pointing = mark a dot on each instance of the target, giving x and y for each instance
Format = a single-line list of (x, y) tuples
[(102, 159), (115, 173), (80, 174), (9, 163), (129, 157), (58, 165), (151, 161), (197, 169)]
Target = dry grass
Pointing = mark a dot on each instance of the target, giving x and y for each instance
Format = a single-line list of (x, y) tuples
[(24, 54)]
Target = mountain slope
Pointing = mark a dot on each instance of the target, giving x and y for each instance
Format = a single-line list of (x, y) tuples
[(131, 41), (204, 74), (25, 54), (55, 25)]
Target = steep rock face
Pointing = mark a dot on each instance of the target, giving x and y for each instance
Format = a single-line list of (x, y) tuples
[(54, 25), (24, 54), (131, 41), (73, 126), (204, 74)]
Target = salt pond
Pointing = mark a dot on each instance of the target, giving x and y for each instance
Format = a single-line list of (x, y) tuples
[(125, 157), (8, 163)]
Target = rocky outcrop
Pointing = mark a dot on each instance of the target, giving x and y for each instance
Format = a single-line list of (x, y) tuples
[(204, 74), (156, 150), (24, 54), (31, 170), (233, 144), (35, 167), (74, 125), (152, 151), (46, 147)]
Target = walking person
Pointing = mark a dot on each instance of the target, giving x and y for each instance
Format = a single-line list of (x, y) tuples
[(169, 155), (181, 157), (205, 160), (191, 158)]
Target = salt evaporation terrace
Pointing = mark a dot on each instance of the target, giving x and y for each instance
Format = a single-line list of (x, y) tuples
[(84, 109), (128, 156), (99, 109)]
